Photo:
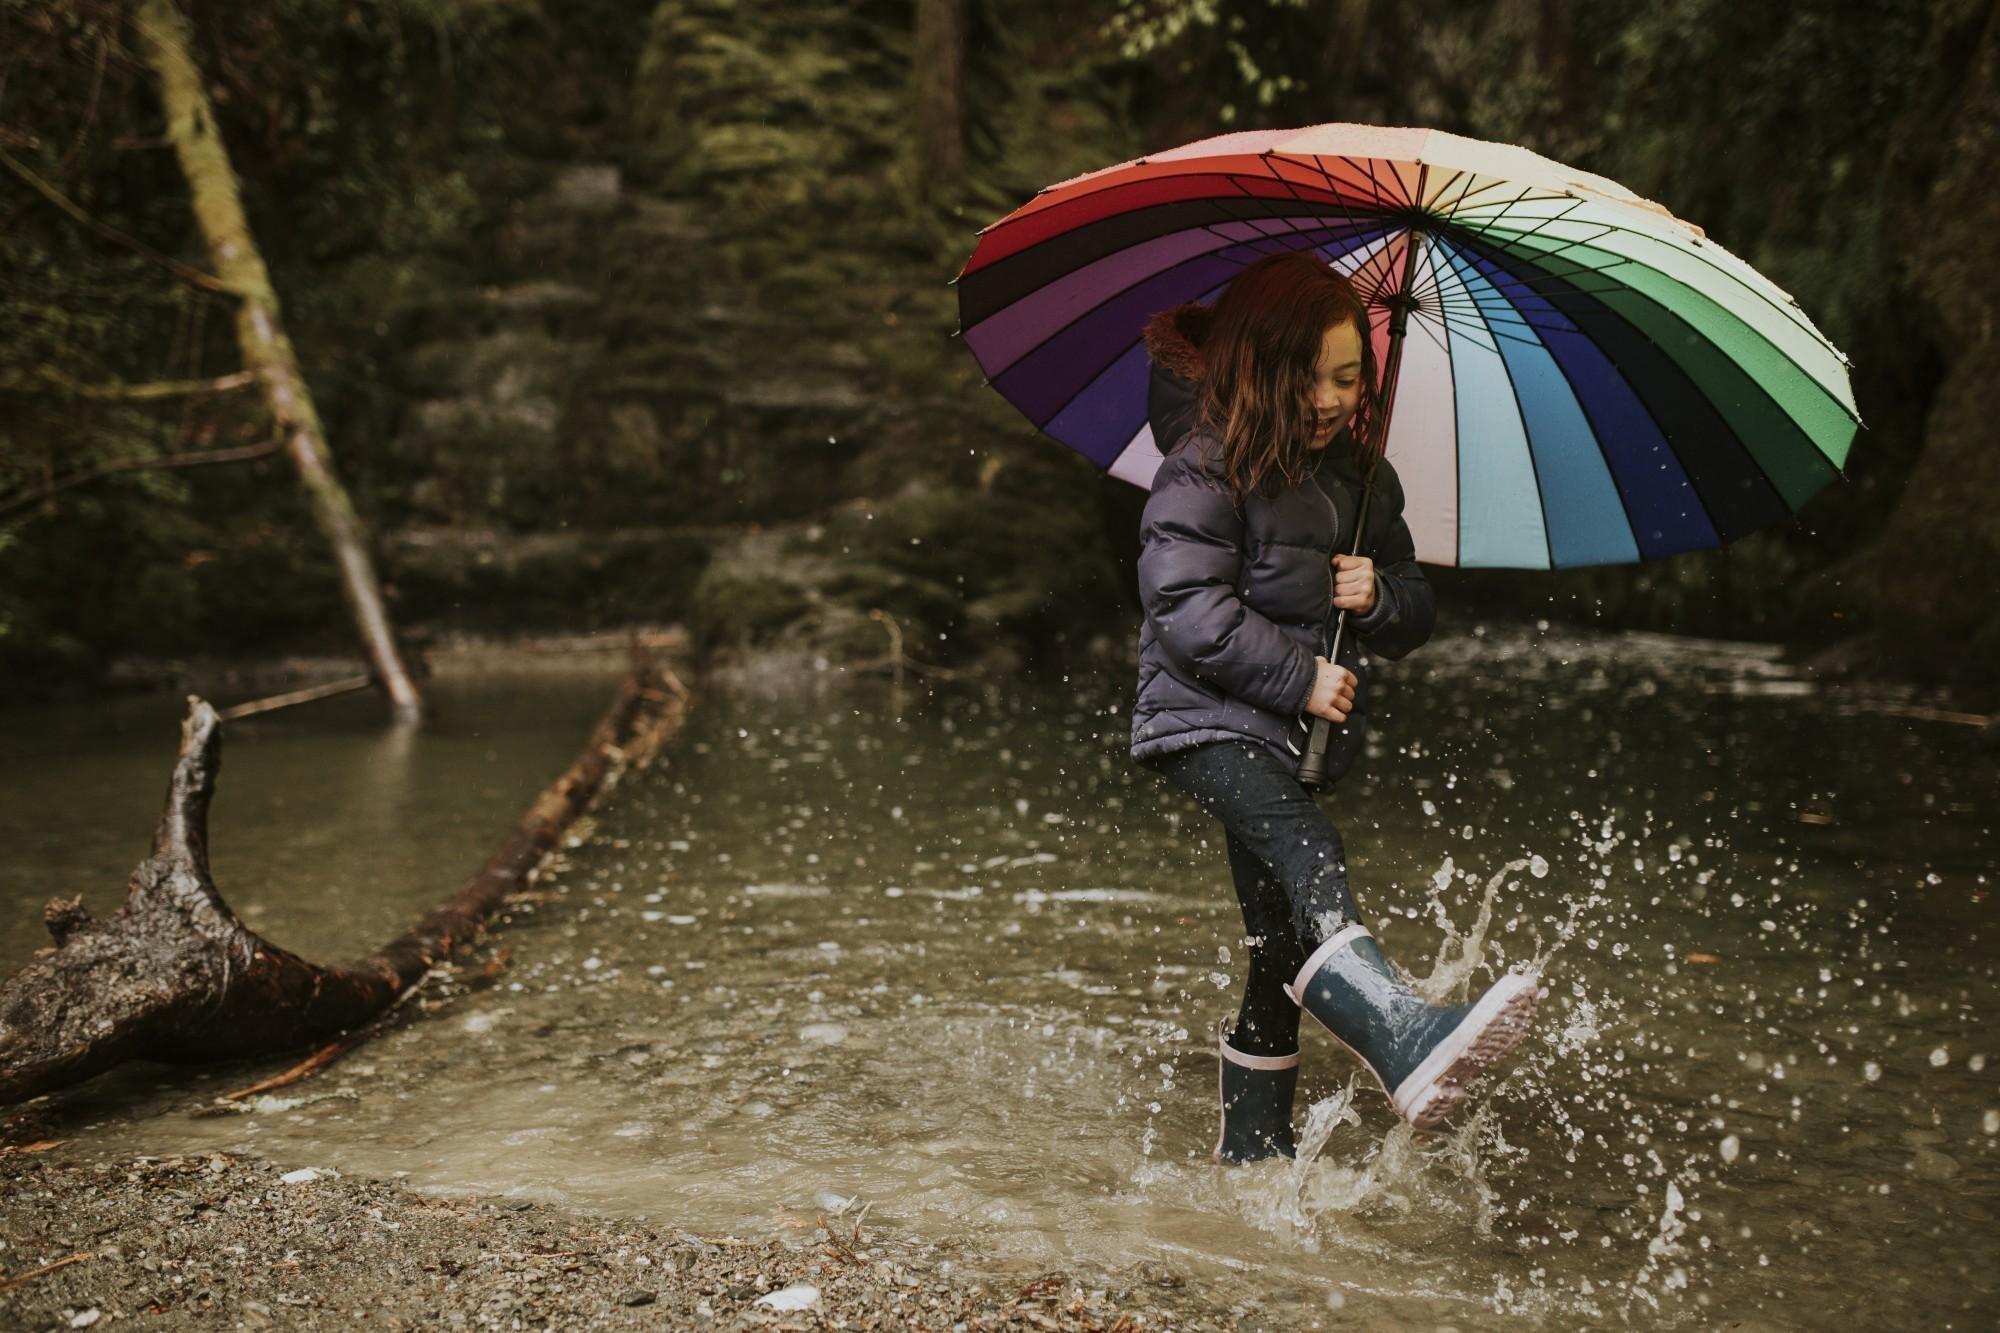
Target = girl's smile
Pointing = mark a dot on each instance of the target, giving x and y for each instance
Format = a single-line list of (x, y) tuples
[(1336, 387)]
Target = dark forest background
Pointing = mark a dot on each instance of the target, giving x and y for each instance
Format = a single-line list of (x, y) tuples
[(631, 313)]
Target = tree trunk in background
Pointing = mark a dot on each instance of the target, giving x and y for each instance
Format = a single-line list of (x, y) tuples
[(1933, 566), (174, 976), (940, 79), (260, 332)]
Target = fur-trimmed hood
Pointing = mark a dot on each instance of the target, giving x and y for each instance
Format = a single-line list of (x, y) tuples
[(1173, 340)]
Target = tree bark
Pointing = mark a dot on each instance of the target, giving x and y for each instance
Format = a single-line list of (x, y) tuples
[(940, 79), (260, 332), (174, 976)]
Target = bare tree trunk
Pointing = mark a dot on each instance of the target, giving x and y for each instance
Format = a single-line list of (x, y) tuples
[(940, 80), (174, 976), (260, 332)]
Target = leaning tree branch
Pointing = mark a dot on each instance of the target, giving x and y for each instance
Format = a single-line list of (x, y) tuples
[(174, 976), (50, 380), (185, 272), (261, 338), (28, 498)]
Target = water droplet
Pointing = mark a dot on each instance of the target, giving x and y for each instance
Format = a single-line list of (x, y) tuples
[(1871, 1071), (1940, 1058), (1730, 1147)]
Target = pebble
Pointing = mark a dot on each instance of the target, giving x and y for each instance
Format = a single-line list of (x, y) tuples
[(800, 1297)]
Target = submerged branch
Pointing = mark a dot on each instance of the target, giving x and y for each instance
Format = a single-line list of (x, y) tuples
[(173, 975)]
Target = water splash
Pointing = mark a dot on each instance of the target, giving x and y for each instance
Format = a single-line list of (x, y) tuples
[(1462, 952)]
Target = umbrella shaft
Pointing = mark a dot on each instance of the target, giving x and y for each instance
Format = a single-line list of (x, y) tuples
[(1312, 765)]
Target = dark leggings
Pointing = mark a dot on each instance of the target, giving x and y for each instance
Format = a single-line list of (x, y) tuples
[(1290, 872)]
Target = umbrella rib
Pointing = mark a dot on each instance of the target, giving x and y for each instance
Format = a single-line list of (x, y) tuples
[(1429, 261), (1418, 290), (1361, 275), (1377, 183), (1233, 179), (1498, 326), (1367, 284), (1493, 183), (1570, 208), (1378, 272), (1339, 202)]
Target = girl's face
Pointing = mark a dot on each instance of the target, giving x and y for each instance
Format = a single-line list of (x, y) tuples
[(1336, 390)]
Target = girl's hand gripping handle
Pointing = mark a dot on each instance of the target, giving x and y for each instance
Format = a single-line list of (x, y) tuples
[(1333, 691)]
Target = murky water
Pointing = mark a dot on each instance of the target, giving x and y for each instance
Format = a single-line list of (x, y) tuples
[(955, 960)]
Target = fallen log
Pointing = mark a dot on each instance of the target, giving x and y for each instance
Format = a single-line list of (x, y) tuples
[(173, 975)]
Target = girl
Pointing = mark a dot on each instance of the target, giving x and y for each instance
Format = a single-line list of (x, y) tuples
[(1265, 409)]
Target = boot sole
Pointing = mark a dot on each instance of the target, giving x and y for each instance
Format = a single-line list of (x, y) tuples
[(1488, 1035)]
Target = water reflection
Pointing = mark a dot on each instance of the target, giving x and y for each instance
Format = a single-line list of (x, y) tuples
[(964, 965)]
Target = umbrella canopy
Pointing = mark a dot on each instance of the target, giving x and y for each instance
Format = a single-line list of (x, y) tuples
[(1585, 379)]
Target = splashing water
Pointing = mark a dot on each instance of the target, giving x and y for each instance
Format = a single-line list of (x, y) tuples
[(844, 952)]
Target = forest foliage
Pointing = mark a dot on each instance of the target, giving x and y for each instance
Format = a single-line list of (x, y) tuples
[(623, 312)]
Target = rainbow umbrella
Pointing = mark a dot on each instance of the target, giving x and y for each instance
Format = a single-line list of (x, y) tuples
[(1571, 375)]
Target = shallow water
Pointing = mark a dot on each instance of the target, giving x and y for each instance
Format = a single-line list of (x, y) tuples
[(955, 960)]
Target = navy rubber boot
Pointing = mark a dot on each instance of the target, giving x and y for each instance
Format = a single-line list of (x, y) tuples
[(1256, 1105), (1422, 1054)]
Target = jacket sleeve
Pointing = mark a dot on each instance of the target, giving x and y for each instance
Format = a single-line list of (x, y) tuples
[(1190, 561), (1405, 606)]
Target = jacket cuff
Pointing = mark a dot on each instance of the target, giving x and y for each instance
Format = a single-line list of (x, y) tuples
[(1312, 678), (1385, 608)]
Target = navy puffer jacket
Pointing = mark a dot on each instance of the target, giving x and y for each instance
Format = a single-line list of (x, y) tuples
[(1238, 604)]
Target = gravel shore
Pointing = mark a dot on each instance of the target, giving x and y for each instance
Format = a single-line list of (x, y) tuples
[(234, 1242)]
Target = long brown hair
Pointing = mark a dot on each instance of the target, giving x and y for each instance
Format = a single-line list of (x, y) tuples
[(1258, 363)]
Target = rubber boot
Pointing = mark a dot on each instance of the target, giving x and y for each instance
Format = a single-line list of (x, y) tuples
[(1256, 1095), (1422, 1054)]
